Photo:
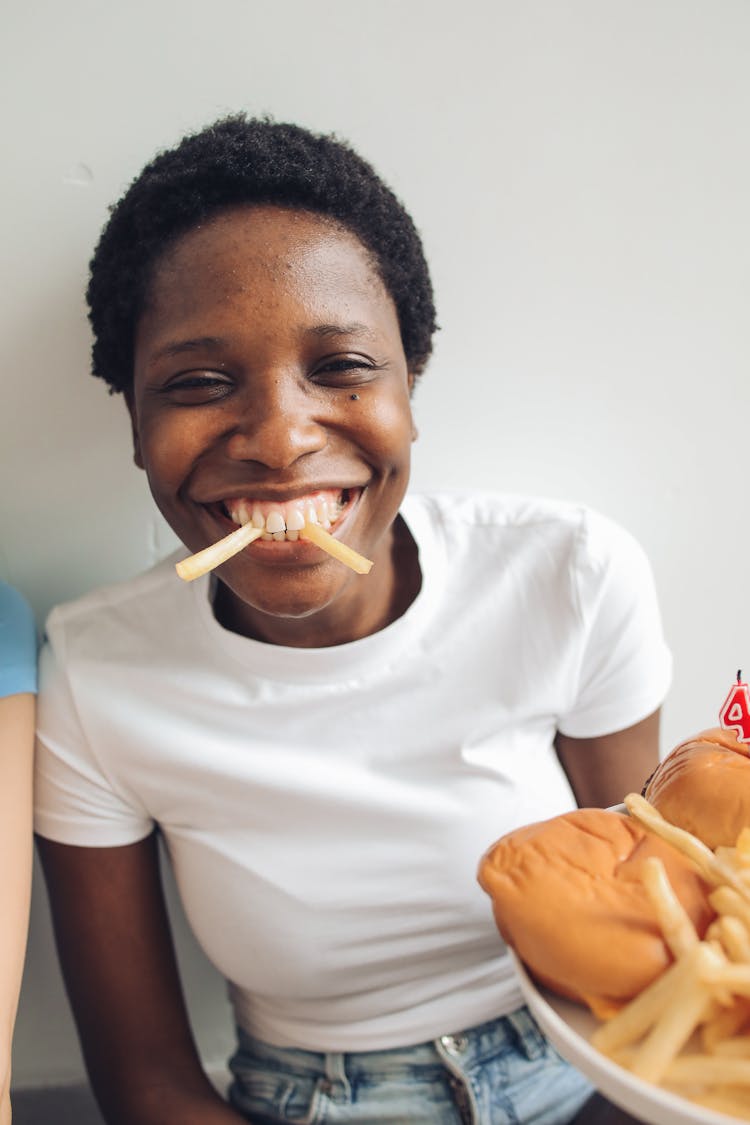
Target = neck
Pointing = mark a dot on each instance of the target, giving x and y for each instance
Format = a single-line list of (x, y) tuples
[(374, 601)]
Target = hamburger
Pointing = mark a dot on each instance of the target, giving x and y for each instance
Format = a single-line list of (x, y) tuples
[(703, 786), (568, 897)]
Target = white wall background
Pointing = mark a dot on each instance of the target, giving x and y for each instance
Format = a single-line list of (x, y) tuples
[(580, 171)]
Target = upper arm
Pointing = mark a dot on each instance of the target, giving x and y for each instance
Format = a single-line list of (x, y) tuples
[(16, 769), (602, 770), (118, 962), (622, 666), (624, 669)]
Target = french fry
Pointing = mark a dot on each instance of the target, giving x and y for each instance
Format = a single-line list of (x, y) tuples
[(218, 553), (695, 1069), (740, 864), (732, 1100), (678, 930), (336, 548), (677, 1021), (734, 1046), (726, 901), (727, 935), (211, 557), (734, 937), (635, 1019), (736, 978), (689, 1031), (723, 1024), (711, 868), (740, 861)]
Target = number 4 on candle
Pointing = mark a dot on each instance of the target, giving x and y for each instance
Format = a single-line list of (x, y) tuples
[(735, 714)]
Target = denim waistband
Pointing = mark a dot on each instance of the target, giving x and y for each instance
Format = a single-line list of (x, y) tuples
[(517, 1030)]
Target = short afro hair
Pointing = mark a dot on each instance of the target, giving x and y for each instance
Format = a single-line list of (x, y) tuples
[(244, 161)]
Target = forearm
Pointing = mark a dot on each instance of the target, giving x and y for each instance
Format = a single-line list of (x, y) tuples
[(161, 1082), (121, 974), (162, 1103), (15, 894), (6, 1051), (16, 849)]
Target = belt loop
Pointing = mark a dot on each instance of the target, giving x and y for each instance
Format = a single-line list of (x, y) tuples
[(527, 1033), (336, 1084)]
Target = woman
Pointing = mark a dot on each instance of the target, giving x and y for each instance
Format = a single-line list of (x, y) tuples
[(326, 754), (17, 698)]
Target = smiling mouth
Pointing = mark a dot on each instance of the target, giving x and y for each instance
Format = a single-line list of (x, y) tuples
[(326, 506), (284, 521)]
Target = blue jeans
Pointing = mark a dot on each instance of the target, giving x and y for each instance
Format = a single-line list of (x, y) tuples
[(501, 1072)]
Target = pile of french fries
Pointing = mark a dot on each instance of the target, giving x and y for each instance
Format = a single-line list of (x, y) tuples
[(689, 1031)]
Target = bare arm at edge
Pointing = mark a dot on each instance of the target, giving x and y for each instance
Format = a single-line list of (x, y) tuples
[(16, 848), (601, 771), (118, 962)]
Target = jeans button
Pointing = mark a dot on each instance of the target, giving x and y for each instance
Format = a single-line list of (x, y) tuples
[(454, 1044)]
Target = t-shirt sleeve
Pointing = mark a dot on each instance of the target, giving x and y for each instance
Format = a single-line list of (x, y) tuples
[(76, 802), (625, 666), (18, 643)]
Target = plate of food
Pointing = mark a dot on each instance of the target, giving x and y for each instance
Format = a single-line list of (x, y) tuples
[(630, 931), (569, 1026)]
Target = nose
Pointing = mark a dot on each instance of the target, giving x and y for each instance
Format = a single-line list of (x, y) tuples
[(278, 423)]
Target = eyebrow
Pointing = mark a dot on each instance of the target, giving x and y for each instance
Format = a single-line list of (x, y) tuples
[(176, 347), (324, 331), (353, 329)]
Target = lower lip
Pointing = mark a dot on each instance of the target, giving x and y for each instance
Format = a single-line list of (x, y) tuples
[(281, 550)]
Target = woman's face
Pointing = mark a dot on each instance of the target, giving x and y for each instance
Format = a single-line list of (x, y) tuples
[(270, 376)]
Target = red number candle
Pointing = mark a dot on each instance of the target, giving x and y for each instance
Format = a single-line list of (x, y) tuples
[(735, 714)]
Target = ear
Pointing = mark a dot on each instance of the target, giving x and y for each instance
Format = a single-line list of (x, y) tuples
[(138, 459)]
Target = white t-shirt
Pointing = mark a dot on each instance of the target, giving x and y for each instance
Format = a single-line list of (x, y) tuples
[(325, 809)]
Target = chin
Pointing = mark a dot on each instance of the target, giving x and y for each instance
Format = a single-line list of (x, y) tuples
[(300, 601)]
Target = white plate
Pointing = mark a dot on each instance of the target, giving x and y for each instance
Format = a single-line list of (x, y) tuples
[(569, 1027)]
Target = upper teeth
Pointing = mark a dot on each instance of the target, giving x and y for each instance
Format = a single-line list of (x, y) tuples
[(286, 521)]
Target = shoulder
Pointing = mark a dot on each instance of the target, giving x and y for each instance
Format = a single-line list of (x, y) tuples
[(563, 547), (15, 612), (521, 518), (483, 508), (103, 616), (18, 643)]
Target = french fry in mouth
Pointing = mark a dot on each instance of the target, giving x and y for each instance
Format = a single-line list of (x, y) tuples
[(336, 548), (210, 557), (218, 553)]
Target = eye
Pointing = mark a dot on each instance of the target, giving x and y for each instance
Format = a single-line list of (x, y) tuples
[(345, 371), (194, 388)]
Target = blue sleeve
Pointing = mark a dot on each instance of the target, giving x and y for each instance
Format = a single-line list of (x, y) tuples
[(18, 643)]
